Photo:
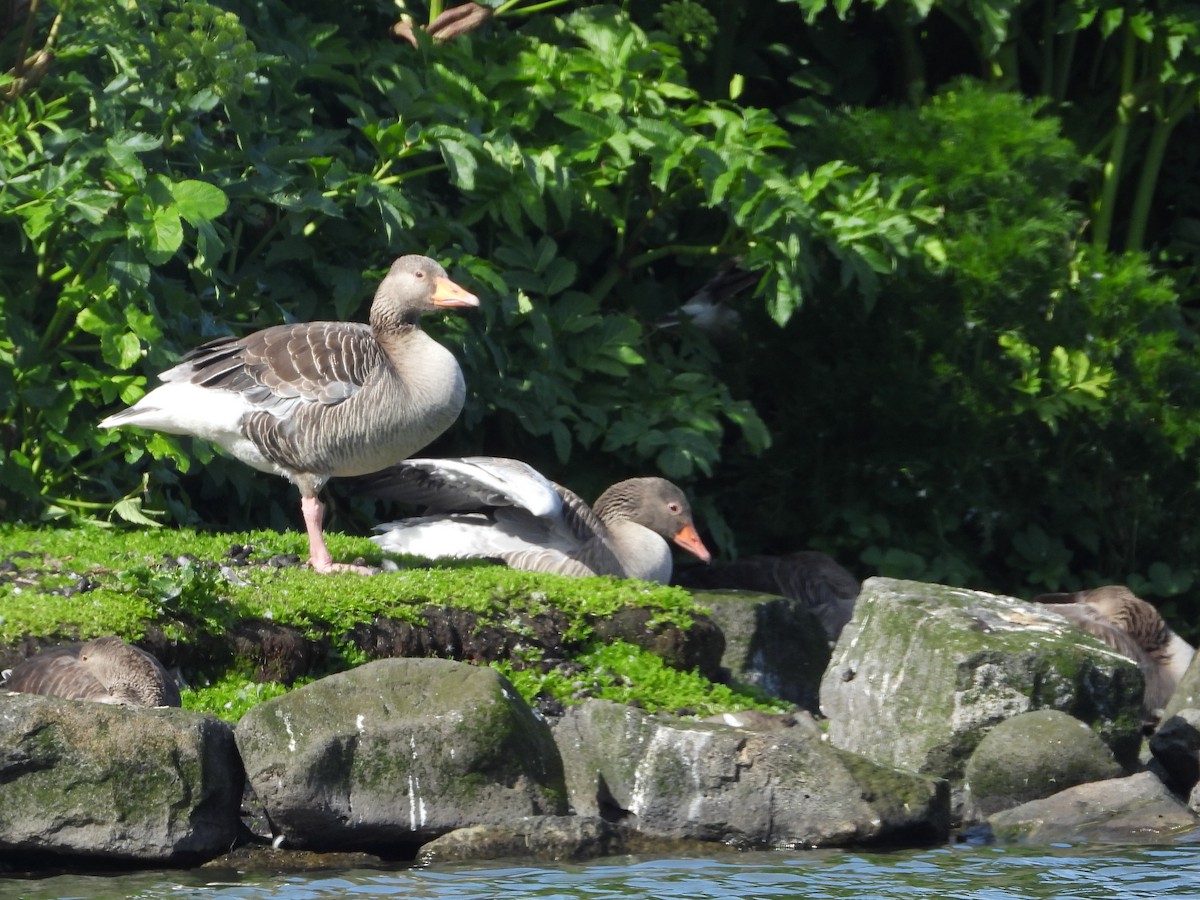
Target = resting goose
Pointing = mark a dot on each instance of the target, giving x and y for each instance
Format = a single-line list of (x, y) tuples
[(1133, 628), (505, 509), (320, 400), (810, 576), (104, 669)]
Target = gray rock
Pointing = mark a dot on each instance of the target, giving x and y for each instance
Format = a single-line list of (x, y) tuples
[(79, 778), (1176, 749), (546, 838), (688, 780), (934, 668), (1034, 755), (1187, 692), (396, 752), (1138, 809), (771, 642)]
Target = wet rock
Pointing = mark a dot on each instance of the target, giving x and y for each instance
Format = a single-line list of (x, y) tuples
[(686, 780), (545, 838), (266, 860), (392, 754), (772, 643), (1034, 755), (934, 668), (1176, 750), (1138, 809), (83, 779)]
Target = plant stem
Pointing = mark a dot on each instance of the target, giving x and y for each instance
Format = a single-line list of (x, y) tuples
[(507, 8), (1152, 161), (1105, 207)]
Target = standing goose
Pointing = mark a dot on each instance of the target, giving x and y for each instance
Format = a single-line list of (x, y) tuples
[(1133, 628), (104, 669), (506, 509), (320, 400)]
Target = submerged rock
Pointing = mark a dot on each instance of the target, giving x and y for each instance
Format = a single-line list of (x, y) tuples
[(679, 779), (548, 838), (396, 752), (934, 668), (84, 779), (1134, 810)]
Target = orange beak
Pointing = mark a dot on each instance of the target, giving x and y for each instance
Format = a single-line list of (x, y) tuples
[(447, 293), (687, 538)]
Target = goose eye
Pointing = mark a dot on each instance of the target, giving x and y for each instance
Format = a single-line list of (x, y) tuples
[(419, 273), (673, 507)]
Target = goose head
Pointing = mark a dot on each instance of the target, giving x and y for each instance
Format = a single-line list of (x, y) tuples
[(656, 504), (413, 286)]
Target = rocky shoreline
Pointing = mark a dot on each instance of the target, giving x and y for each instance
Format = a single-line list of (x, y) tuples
[(939, 712)]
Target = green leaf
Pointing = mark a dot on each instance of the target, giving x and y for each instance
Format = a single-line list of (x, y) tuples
[(130, 509), (198, 201), (461, 162), (163, 234), (88, 320)]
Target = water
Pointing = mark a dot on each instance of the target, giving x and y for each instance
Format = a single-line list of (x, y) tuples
[(958, 873)]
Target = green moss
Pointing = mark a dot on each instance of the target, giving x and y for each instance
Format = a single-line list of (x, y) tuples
[(129, 586), (623, 673), (71, 584)]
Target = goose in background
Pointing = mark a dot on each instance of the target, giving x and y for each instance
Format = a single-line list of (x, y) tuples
[(1133, 628), (708, 309), (104, 669), (505, 509), (318, 400), (810, 576)]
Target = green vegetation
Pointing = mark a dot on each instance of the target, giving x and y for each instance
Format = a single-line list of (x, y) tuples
[(69, 584), (624, 673), (968, 356)]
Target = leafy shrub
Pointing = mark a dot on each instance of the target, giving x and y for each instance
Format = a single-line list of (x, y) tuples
[(566, 169)]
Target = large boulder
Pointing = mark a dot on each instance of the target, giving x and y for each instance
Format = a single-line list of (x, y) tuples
[(678, 779), (934, 668), (1034, 755), (1138, 809), (85, 779), (396, 752), (772, 643)]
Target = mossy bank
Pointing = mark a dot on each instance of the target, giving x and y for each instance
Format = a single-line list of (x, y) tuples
[(243, 619)]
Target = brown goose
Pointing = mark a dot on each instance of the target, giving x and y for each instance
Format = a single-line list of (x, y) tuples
[(1133, 628), (505, 509), (104, 669), (320, 400), (809, 576)]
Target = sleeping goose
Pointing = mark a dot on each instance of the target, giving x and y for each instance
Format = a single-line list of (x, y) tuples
[(104, 669), (1133, 628), (320, 400), (810, 576), (505, 509)]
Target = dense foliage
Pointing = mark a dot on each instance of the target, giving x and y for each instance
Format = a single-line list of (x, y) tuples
[(951, 365)]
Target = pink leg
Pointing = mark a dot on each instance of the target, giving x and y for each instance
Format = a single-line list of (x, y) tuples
[(318, 554)]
